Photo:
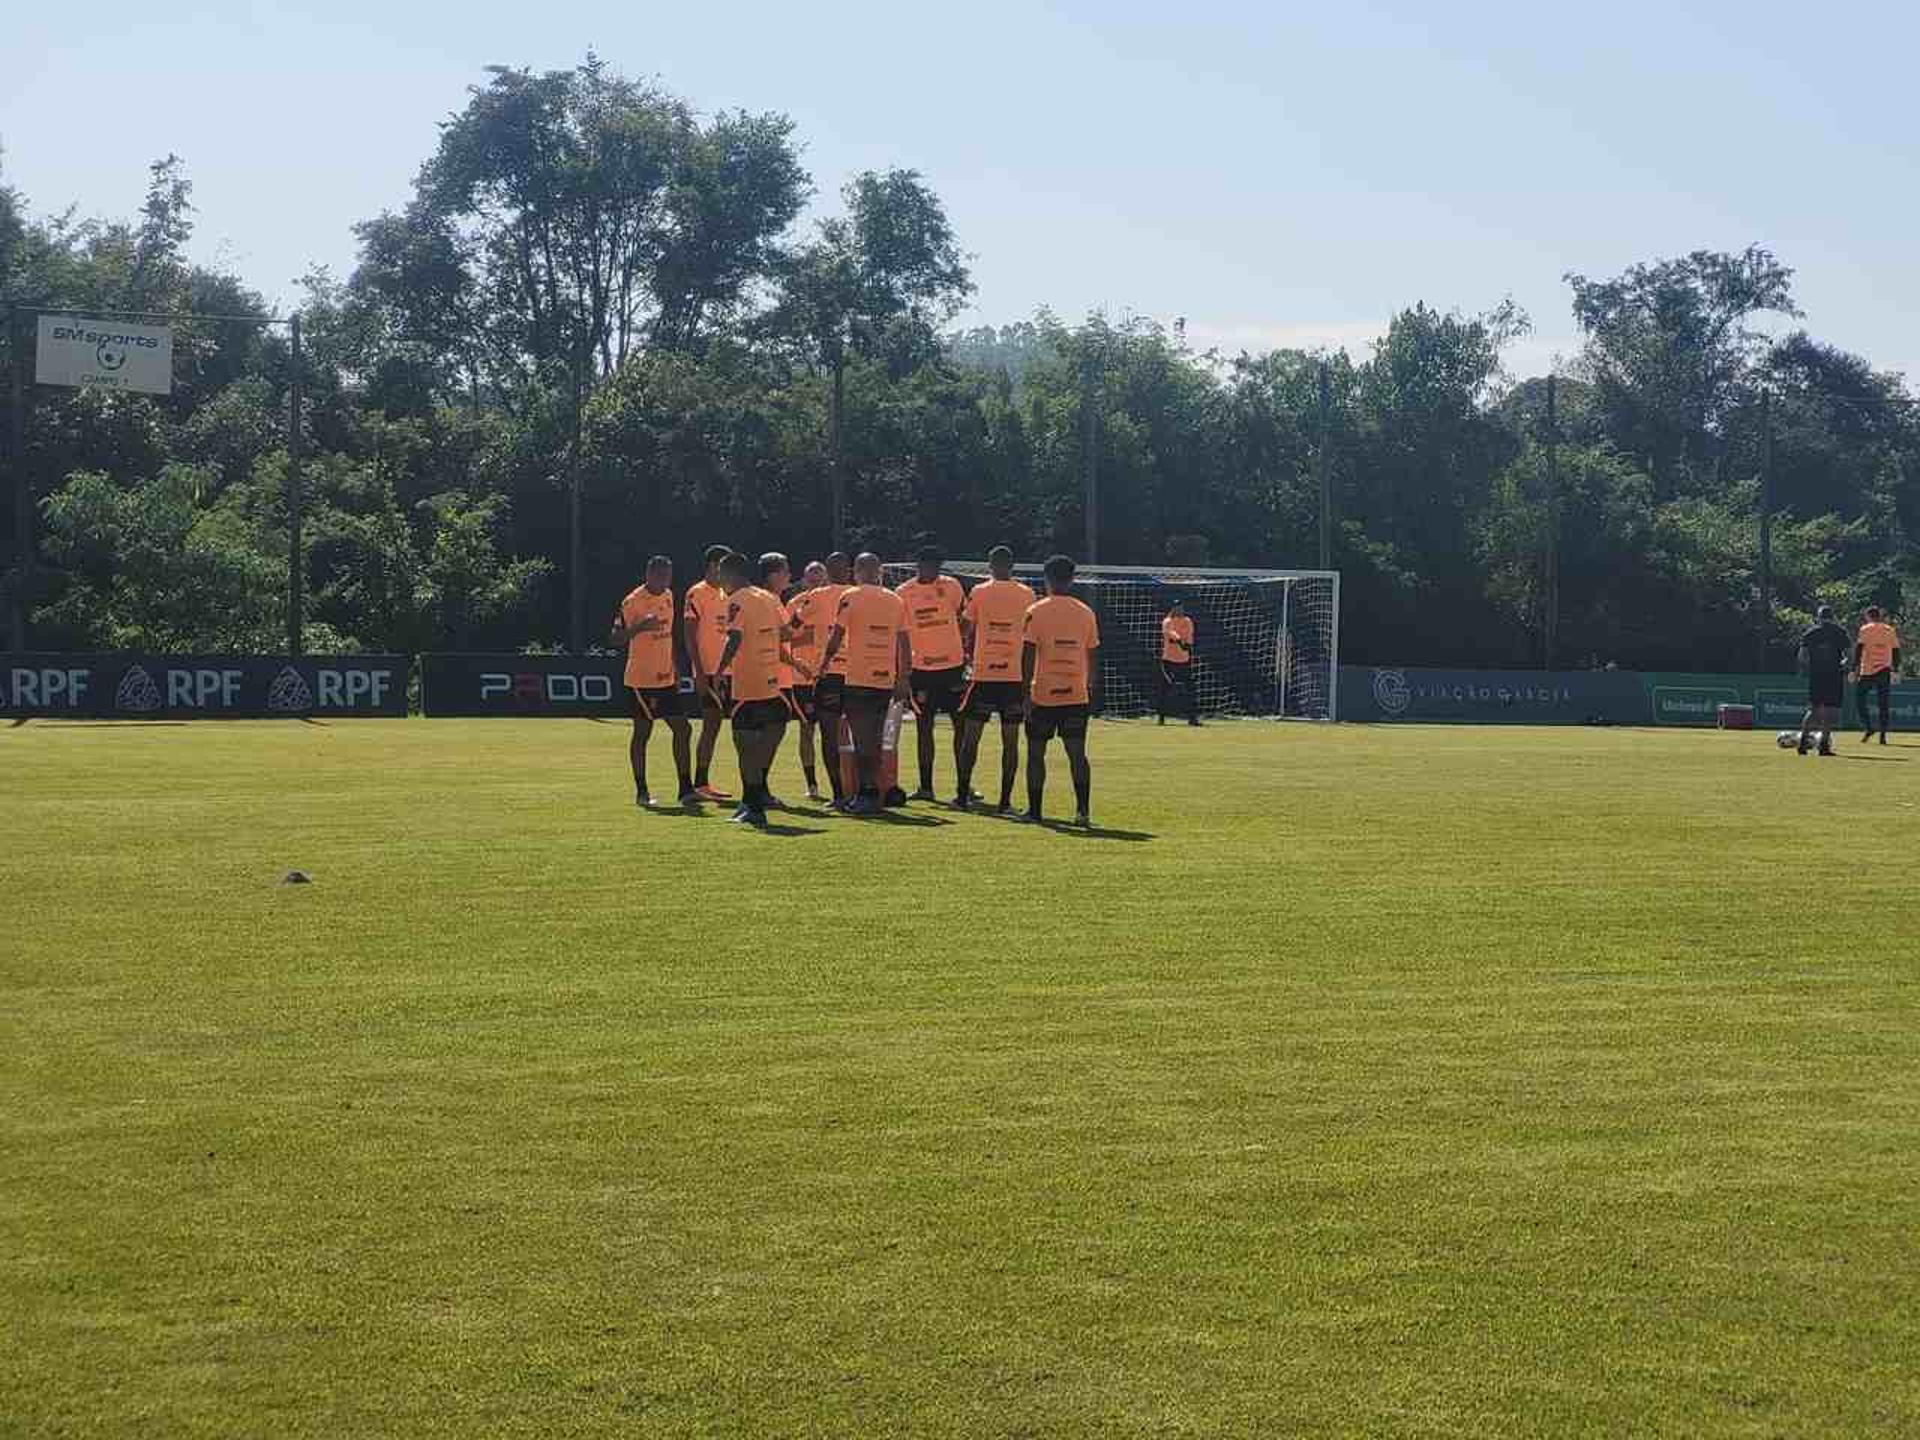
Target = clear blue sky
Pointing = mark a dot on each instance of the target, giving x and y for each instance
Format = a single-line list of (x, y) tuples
[(1275, 175)]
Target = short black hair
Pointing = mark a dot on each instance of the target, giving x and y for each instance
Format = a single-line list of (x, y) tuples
[(930, 555), (732, 562), (1873, 612), (771, 561), (654, 562), (1059, 567), (717, 553), (1000, 552), (1825, 612)]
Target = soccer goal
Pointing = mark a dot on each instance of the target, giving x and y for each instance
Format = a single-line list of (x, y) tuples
[(1266, 642)]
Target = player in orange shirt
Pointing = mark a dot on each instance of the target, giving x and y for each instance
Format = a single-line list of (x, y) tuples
[(995, 619), (1176, 663), (704, 629), (750, 660), (870, 630), (645, 625), (1062, 679), (808, 628), (830, 686), (1876, 659), (939, 678)]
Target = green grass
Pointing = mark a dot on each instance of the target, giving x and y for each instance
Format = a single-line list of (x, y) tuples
[(1394, 1082)]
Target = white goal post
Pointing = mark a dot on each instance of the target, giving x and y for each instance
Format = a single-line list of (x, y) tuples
[(1266, 642)]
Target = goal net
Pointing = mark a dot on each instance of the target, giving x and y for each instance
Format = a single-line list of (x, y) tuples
[(1266, 642)]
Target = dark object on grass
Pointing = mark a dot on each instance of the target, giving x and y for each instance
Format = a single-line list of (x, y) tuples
[(296, 877)]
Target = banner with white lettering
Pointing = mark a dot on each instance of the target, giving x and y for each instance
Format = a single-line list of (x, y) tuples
[(202, 687), (110, 354), (535, 685), (1489, 697)]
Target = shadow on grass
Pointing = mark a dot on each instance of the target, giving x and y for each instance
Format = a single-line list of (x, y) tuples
[(901, 817), (788, 830), (1876, 759), (1097, 832), (110, 724)]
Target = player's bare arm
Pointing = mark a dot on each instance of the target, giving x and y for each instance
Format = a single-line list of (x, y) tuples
[(834, 638), (902, 668)]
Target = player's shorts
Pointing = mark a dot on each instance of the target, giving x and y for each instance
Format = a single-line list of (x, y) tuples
[(1069, 722), (830, 695), (865, 700), (663, 703), (761, 714), (1826, 689), (938, 692), (986, 698), (804, 704)]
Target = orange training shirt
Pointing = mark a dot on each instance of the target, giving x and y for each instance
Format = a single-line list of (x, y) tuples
[(997, 610), (1878, 641), (1176, 639), (873, 619), (933, 621), (1064, 636), (810, 619), (705, 613), (649, 652), (828, 613), (755, 667)]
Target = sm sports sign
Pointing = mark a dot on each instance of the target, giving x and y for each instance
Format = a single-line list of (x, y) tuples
[(107, 354)]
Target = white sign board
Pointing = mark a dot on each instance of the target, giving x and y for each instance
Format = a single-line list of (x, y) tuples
[(107, 353)]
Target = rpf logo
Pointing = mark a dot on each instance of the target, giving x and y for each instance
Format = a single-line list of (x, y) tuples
[(110, 355), (1391, 693)]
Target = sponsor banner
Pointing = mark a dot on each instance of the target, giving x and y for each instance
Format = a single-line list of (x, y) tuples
[(202, 687), (109, 354), (1507, 697), (537, 685), (1778, 700)]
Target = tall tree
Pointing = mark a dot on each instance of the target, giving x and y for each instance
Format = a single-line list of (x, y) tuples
[(874, 283), (1670, 345)]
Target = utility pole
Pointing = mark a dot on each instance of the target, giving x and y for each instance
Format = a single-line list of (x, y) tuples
[(838, 478), (1322, 480), (1090, 455), (1551, 631), (22, 493), (296, 499), (576, 591), (1766, 524)]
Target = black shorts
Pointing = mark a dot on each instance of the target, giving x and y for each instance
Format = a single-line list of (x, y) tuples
[(665, 703), (987, 698), (1069, 722), (938, 692), (804, 704), (864, 700), (1826, 689), (761, 714), (830, 694)]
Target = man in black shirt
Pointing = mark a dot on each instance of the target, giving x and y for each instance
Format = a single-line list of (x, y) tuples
[(1823, 652)]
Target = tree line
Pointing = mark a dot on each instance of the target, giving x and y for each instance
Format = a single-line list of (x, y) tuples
[(598, 295)]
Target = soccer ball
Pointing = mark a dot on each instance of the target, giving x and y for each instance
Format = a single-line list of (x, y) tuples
[(1787, 739)]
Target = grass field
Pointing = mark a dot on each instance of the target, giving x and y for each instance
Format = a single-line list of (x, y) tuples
[(1363, 1081)]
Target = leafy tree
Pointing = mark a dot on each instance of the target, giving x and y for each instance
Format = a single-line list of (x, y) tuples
[(1670, 345)]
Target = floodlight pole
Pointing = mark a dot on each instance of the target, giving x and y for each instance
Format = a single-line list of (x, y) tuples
[(1323, 483), (22, 494), (296, 501), (1552, 627), (1766, 523)]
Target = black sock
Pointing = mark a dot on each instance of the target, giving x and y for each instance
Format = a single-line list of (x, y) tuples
[(1034, 793), (1082, 793), (701, 776)]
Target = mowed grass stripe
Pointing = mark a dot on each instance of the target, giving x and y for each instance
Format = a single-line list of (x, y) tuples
[(1403, 1081)]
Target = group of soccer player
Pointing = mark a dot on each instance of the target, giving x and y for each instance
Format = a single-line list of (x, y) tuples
[(761, 652), (1828, 653)]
